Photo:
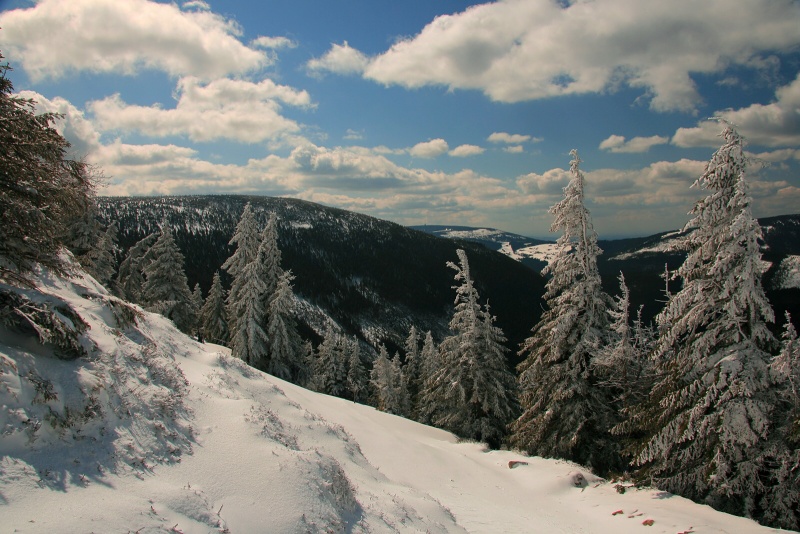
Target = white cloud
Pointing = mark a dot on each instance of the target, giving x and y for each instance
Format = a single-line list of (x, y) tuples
[(511, 139), (775, 124), (463, 151), (618, 144), (429, 149), (73, 125), (273, 43), (196, 4), (353, 135), (516, 149), (222, 109), (341, 59), (59, 37), (516, 50)]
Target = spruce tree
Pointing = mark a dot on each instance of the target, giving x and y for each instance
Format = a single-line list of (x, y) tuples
[(197, 305), (100, 260), (212, 314), (284, 344), (357, 378), (42, 191), (430, 364), (130, 277), (707, 420), (473, 392), (564, 414), (249, 341), (247, 240), (411, 368), (380, 378), (330, 365), (165, 289)]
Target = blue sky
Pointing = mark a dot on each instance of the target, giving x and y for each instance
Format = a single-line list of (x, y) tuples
[(440, 112)]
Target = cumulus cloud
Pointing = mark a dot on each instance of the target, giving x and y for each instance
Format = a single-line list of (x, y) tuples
[(618, 144), (516, 149), (775, 124), (222, 109), (429, 149), (463, 151), (57, 37), (516, 50), (73, 125), (340, 59), (511, 139), (273, 43)]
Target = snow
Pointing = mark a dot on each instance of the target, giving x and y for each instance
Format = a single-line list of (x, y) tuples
[(262, 455), (546, 252)]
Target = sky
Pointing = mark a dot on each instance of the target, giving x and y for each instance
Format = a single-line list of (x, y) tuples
[(421, 112)]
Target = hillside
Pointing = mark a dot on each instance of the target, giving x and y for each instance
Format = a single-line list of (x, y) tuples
[(373, 278), (643, 259), (141, 429)]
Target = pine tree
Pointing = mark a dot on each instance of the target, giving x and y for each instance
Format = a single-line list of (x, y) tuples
[(398, 400), (564, 414), (165, 289), (41, 191), (357, 379), (412, 365), (271, 255), (212, 314), (472, 393), (247, 241), (130, 278), (707, 419), (284, 344), (380, 378), (787, 368)]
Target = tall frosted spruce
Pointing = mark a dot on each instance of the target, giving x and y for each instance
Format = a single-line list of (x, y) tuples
[(247, 240), (473, 393), (212, 315), (565, 414), (166, 290), (708, 419)]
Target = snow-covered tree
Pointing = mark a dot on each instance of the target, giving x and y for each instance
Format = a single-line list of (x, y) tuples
[(380, 378), (271, 255), (564, 414), (787, 367), (247, 240), (212, 315), (430, 364), (249, 341), (411, 367), (197, 305), (620, 363), (130, 278), (284, 358), (473, 392), (165, 289), (100, 260), (357, 378), (330, 365), (707, 418), (41, 190)]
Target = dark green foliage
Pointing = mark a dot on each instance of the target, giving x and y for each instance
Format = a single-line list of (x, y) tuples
[(41, 190)]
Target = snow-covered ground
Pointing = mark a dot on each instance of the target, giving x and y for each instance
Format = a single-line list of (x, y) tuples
[(153, 432)]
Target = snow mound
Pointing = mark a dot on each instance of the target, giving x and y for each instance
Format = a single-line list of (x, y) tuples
[(142, 429)]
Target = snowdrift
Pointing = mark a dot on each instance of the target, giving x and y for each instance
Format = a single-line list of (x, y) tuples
[(114, 421)]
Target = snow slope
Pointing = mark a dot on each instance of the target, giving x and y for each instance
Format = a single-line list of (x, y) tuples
[(153, 432)]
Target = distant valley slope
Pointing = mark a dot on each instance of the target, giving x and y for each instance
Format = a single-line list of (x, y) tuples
[(643, 260), (372, 277)]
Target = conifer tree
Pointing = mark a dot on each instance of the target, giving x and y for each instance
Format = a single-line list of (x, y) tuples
[(41, 190), (249, 341), (330, 366), (246, 239), (130, 277), (398, 401), (165, 289), (380, 378), (430, 364), (197, 305), (284, 358), (707, 419), (357, 378), (412, 365), (212, 314), (271, 255), (564, 414), (787, 367), (472, 393), (100, 260)]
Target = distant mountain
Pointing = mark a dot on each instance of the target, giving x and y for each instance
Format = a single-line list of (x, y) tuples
[(643, 260), (373, 278)]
